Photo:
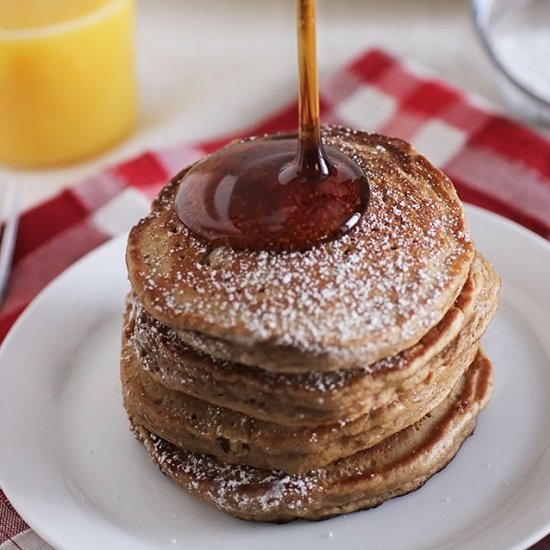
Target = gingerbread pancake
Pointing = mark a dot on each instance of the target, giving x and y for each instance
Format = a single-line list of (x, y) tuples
[(397, 465), (314, 398), (285, 385), (344, 304)]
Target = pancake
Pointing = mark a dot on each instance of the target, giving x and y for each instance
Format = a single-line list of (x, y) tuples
[(286, 385), (399, 464), (235, 438), (315, 398), (201, 426), (344, 304)]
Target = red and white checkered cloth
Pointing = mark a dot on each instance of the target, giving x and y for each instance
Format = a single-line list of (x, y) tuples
[(493, 161)]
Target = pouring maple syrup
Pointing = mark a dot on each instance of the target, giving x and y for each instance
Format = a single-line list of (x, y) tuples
[(278, 192)]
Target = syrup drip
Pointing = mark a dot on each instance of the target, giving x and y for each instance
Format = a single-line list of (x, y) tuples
[(278, 192)]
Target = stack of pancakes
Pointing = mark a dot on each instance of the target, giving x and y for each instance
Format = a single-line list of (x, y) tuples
[(283, 385)]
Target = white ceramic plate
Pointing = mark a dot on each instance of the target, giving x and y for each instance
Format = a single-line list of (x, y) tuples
[(71, 468)]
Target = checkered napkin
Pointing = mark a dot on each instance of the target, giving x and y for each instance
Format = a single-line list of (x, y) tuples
[(493, 161)]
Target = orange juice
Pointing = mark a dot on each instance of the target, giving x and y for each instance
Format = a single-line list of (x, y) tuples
[(67, 84)]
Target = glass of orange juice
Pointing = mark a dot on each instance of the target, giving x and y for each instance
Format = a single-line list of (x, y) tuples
[(67, 81)]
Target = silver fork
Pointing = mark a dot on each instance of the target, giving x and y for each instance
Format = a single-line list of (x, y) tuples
[(9, 205)]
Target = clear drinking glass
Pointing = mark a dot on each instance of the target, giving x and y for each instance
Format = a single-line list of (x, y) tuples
[(516, 36)]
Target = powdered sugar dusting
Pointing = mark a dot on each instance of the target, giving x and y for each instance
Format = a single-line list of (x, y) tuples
[(160, 348), (236, 486), (385, 283)]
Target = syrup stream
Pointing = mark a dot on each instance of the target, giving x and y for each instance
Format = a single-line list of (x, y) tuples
[(277, 192), (311, 157)]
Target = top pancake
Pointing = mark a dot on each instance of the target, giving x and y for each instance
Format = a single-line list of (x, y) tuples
[(346, 303)]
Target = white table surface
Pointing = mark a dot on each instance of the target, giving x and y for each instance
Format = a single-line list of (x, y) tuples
[(206, 67)]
